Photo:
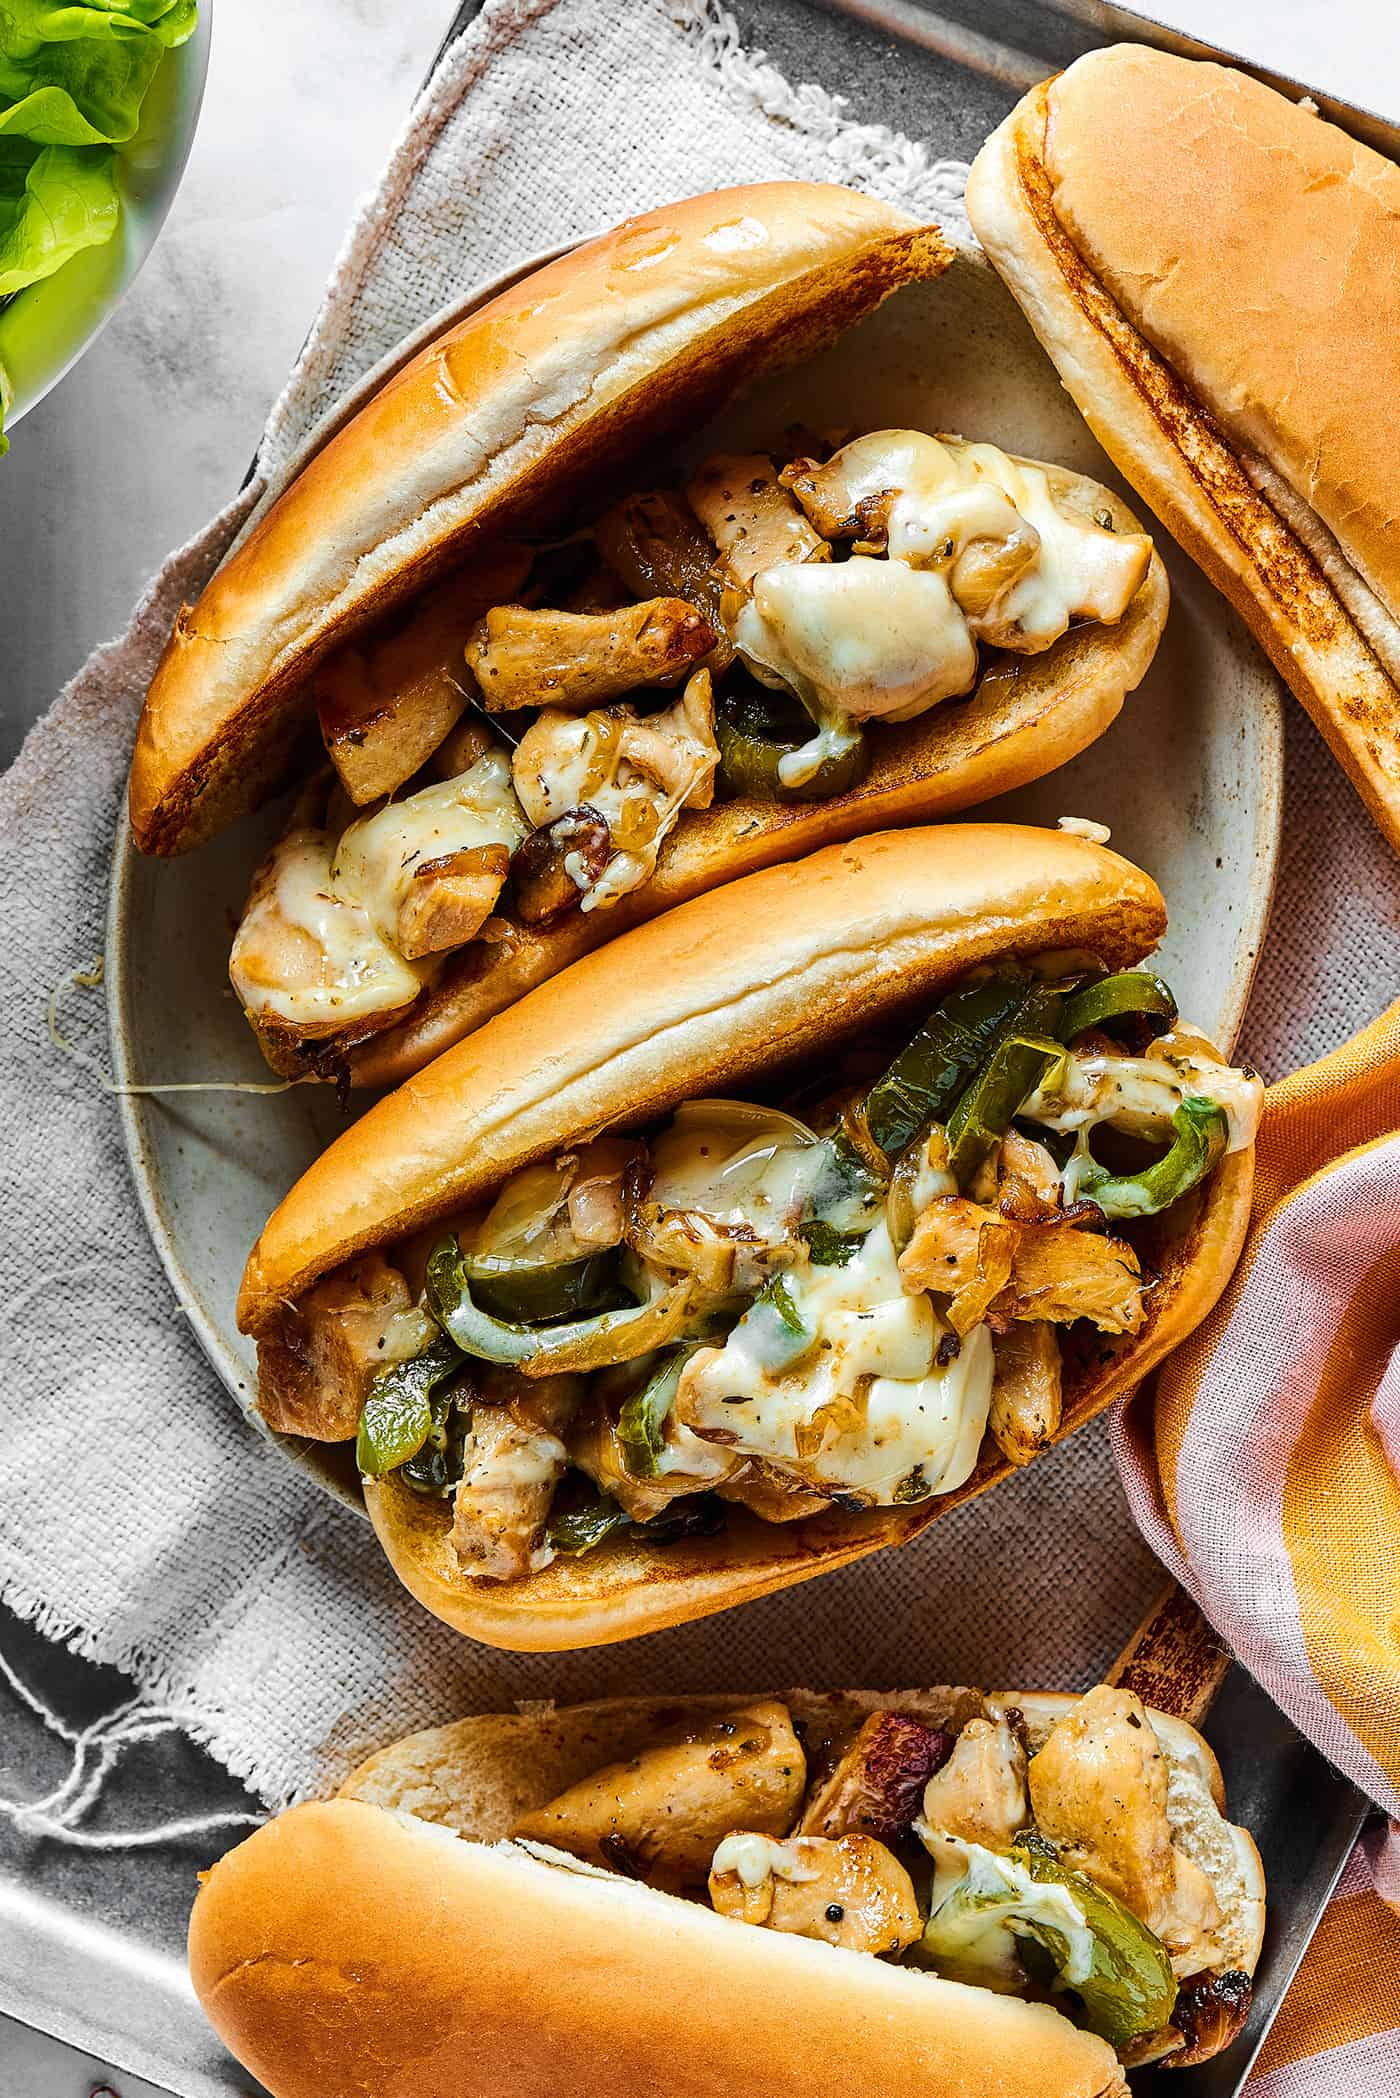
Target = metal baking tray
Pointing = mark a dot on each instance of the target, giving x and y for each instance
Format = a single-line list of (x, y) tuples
[(92, 1943)]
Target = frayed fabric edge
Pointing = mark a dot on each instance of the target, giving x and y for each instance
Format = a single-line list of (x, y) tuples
[(160, 1700), (866, 156)]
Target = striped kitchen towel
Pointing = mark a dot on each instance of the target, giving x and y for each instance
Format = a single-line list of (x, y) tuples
[(1264, 1469)]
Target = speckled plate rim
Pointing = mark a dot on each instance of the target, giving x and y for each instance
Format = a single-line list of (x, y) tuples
[(204, 1319)]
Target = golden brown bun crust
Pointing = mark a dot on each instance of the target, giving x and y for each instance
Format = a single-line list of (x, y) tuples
[(779, 964), (1013, 729), (760, 971), (587, 362), (342, 1950), (1169, 228)]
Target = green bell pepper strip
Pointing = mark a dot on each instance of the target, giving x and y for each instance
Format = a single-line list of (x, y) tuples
[(397, 1417), (530, 1291), (1130, 1990), (751, 749), (545, 1351), (1201, 1133), (582, 1529), (826, 1246), (924, 1082), (987, 1108), (641, 1425), (1132, 993), (777, 1325)]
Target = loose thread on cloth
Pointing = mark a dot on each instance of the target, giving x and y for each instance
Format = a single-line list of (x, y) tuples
[(96, 1749)]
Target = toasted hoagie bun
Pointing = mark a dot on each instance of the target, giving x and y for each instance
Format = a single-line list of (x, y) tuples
[(1214, 271), (396, 1941), (785, 966), (522, 423)]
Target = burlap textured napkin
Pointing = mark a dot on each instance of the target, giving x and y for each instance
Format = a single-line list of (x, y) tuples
[(140, 1518)]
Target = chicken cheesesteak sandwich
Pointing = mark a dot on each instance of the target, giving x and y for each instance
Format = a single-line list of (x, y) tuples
[(545, 663), (932, 1891), (761, 1235)]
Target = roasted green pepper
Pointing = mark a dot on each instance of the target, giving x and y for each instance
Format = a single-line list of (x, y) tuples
[(755, 734), (641, 1425), (397, 1417), (535, 1290), (1006, 1919), (1132, 994), (1130, 1989), (542, 1351), (582, 1528), (1200, 1133), (927, 1080), (1018, 1064)]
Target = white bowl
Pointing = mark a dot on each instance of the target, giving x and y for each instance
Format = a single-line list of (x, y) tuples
[(45, 329)]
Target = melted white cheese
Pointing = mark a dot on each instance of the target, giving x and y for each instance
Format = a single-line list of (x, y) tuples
[(753, 1859), (378, 856), (348, 973), (864, 639), (766, 1387), (978, 1897), (736, 1166), (344, 896), (1140, 1094)]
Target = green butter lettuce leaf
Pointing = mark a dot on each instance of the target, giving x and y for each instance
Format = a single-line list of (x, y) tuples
[(72, 81), (54, 201), (76, 76)]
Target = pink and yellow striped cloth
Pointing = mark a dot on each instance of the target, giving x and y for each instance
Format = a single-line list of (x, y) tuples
[(1263, 1466)]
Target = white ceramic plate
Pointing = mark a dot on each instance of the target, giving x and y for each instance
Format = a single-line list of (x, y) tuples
[(1189, 778), (48, 326)]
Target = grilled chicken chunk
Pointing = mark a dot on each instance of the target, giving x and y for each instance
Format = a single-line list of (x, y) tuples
[(385, 704), (1056, 1272), (661, 1814), (572, 660), (751, 517), (980, 1793), (1027, 1393), (654, 543), (513, 1458), (1099, 1789), (315, 1378), (851, 1891), (449, 899)]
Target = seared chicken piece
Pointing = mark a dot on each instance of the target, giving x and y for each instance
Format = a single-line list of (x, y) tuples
[(1063, 1274), (635, 775), (980, 1793), (687, 1464), (1027, 1391), (654, 543), (759, 1487), (850, 1892), (661, 1814), (1028, 1180), (314, 1379), (877, 1786), (513, 1459), (459, 751), (450, 899), (1099, 1790), (573, 660), (751, 517), (1056, 1272), (386, 704)]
